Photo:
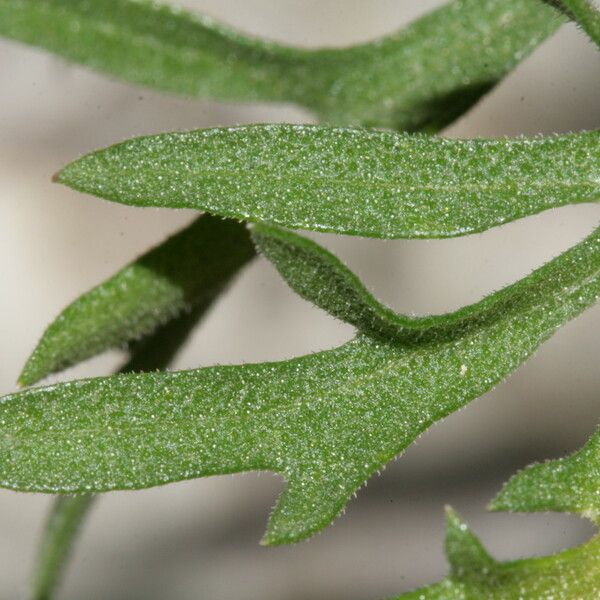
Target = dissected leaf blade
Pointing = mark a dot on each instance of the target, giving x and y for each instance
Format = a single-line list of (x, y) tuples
[(348, 181), (425, 75), (325, 422), (185, 273), (574, 573), (570, 484)]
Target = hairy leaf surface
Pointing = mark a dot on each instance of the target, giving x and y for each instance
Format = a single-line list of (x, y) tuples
[(584, 13), (425, 75), (349, 181), (570, 484), (154, 352), (574, 573), (185, 273), (325, 421)]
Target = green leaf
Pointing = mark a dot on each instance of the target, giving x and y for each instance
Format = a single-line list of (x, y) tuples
[(318, 276), (467, 557), (567, 485), (153, 304), (574, 573), (425, 75), (584, 13), (570, 484), (326, 421), (154, 352), (68, 512), (349, 181), (63, 523), (185, 273)]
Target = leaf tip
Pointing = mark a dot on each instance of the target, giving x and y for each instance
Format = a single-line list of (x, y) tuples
[(507, 500), (495, 505), (65, 174), (270, 539), (29, 373), (24, 379), (450, 512)]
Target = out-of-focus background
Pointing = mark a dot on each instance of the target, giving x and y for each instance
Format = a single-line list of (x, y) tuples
[(199, 539)]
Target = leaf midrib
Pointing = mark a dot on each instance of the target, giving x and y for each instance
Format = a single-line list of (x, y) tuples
[(307, 176)]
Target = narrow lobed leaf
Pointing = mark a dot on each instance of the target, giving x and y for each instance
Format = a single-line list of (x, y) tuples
[(570, 484), (423, 76), (466, 555), (326, 421), (185, 273), (321, 278), (574, 573), (348, 181)]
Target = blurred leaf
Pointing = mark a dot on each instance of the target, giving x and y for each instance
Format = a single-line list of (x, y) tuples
[(349, 181), (424, 75), (64, 520), (325, 421), (569, 575), (185, 273), (570, 484), (584, 13)]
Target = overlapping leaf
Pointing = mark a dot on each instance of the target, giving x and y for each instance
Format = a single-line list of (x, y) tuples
[(349, 181), (134, 431), (325, 421), (425, 75), (569, 484), (185, 273), (155, 351)]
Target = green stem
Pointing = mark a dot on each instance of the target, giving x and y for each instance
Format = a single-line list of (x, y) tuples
[(63, 523)]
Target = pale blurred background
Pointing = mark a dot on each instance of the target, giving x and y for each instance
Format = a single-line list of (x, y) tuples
[(199, 539)]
